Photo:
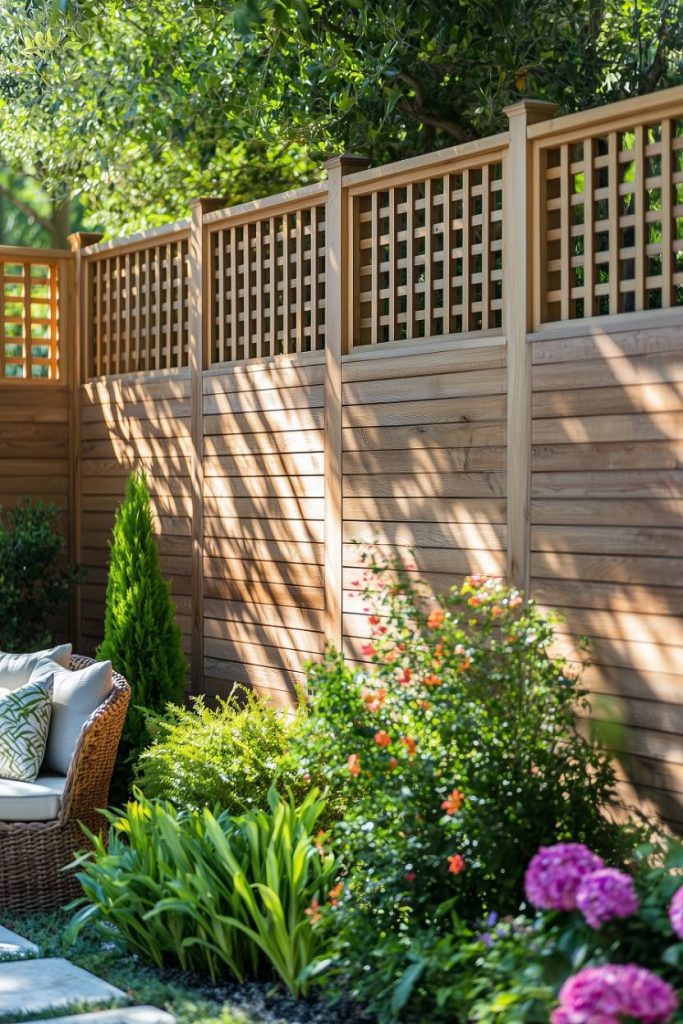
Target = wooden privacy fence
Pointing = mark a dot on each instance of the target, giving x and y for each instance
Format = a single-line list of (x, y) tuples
[(476, 354)]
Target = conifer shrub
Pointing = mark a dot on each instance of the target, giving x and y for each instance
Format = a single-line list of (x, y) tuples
[(141, 638)]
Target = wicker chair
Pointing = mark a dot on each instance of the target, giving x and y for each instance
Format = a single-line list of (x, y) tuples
[(33, 855)]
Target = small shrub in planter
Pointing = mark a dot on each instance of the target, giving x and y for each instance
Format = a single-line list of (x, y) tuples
[(34, 586), (459, 753), (227, 757), (237, 897)]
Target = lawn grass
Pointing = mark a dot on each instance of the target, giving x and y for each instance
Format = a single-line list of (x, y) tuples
[(144, 985)]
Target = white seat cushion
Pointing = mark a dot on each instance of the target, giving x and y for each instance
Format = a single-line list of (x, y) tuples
[(16, 669), (75, 696), (31, 801)]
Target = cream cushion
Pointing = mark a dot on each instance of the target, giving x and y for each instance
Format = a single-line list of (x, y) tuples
[(75, 696), (31, 801), (16, 669)]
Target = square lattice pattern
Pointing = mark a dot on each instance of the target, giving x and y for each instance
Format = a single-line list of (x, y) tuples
[(139, 303), (268, 286), (612, 239), (429, 257), (29, 320)]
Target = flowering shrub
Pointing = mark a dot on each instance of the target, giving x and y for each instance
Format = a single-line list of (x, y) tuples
[(555, 873), (458, 751), (603, 995)]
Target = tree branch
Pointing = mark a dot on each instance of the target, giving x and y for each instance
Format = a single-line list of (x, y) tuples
[(27, 210), (452, 128)]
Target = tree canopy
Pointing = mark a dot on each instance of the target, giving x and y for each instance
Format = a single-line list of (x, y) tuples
[(136, 106)]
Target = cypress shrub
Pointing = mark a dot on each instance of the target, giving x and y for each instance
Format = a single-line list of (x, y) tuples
[(141, 638)]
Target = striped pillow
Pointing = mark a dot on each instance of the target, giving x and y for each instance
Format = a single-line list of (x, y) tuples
[(24, 724)]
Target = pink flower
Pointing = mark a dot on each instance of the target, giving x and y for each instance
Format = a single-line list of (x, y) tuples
[(603, 995), (676, 913), (606, 894), (555, 874)]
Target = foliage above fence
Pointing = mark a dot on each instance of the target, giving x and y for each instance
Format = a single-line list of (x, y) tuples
[(427, 252)]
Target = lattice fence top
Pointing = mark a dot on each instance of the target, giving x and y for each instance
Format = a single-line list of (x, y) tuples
[(429, 256), (611, 231), (138, 307), (29, 319), (267, 289)]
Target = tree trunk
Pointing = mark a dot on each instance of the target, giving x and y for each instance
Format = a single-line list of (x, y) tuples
[(61, 219)]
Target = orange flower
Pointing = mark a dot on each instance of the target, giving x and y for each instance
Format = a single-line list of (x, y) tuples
[(368, 650), (464, 665), (374, 699), (392, 763), (453, 802), (474, 601), (313, 912), (382, 738), (432, 680), (390, 657), (496, 611), (410, 744), (319, 843), (354, 764), (456, 864), (438, 650), (424, 704), (334, 894), (515, 601), (405, 675), (435, 618), (374, 620)]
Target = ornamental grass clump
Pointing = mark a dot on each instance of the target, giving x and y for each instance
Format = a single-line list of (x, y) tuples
[(223, 896)]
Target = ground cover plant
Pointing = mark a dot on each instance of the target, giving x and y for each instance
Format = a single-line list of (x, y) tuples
[(34, 584), (141, 638)]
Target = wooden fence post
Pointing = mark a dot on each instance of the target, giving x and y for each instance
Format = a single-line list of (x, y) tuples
[(337, 329), (78, 370), (518, 274), (198, 317)]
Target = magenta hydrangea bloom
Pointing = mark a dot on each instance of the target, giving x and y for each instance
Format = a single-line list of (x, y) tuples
[(676, 913), (603, 995), (606, 894), (555, 874)]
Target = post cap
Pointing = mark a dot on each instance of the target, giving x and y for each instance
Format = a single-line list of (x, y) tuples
[(209, 203), (82, 239), (347, 162), (535, 110)]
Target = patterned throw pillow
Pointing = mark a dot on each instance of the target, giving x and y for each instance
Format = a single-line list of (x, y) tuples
[(24, 724)]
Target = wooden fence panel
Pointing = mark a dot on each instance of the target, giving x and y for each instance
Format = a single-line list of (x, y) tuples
[(135, 423), (263, 525), (607, 537), (424, 467)]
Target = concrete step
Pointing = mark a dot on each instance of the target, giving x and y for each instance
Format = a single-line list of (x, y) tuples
[(15, 947), (39, 986), (129, 1015)]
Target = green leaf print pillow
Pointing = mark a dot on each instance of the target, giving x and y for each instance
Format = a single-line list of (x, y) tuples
[(24, 724)]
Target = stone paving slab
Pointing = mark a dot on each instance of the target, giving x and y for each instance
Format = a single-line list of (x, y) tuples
[(15, 946), (129, 1015), (36, 986)]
